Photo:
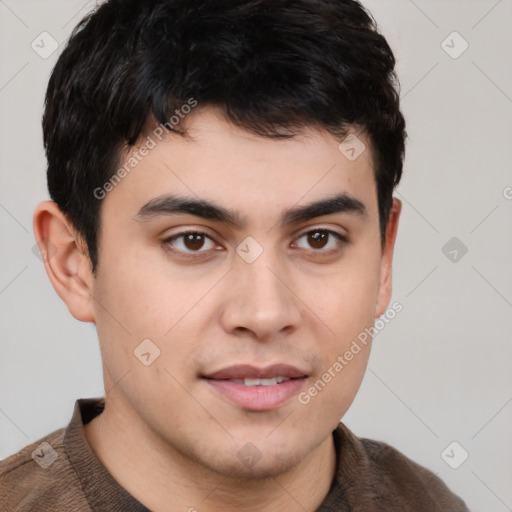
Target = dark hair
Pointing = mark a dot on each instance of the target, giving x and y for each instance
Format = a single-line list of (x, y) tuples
[(274, 66)]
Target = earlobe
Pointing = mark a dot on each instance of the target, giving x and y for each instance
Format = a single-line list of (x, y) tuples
[(386, 265), (66, 259)]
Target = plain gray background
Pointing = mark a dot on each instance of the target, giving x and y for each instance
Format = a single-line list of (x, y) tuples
[(440, 371)]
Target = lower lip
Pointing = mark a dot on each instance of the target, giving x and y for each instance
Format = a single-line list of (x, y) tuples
[(257, 398)]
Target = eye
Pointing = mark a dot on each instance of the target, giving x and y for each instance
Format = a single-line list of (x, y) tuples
[(189, 242), (321, 240)]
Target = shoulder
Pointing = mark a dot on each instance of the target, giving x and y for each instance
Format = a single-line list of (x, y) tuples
[(38, 476), (396, 482), (413, 481)]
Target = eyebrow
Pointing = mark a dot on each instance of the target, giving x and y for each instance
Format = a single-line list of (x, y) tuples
[(169, 205)]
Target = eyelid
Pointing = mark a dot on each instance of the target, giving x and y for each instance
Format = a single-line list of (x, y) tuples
[(185, 231), (341, 241), (166, 243), (332, 231)]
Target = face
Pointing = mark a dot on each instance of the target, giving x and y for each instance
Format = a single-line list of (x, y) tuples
[(245, 293)]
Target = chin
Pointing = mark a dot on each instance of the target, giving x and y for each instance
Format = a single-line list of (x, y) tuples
[(246, 457), (266, 467)]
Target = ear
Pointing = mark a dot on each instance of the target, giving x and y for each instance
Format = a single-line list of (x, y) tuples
[(386, 263), (66, 259)]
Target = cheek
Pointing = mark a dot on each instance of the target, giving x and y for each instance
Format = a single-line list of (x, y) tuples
[(346, 305), (137, 300), (329, 394), (136, 292), (346, 301), (344, 360)]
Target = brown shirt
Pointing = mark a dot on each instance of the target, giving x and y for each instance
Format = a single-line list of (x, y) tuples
[(64, 475)]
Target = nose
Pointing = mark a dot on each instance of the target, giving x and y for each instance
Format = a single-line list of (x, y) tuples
[(261, 301)]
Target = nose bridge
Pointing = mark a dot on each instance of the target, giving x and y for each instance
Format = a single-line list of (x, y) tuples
[(262, 301), (265, 286)]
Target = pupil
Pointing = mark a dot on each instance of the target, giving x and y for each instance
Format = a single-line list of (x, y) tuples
[(318, 239), (194, 240)]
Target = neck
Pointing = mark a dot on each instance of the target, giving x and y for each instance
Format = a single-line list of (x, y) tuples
[(158, 475)]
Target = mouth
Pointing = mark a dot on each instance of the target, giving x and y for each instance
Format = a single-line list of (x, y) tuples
[(257, 389)]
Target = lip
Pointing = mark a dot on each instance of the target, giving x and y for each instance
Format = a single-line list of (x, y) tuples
[(241, 371), (257, 398)]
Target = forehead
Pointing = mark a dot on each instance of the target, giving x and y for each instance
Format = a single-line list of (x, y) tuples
[(225, 164)]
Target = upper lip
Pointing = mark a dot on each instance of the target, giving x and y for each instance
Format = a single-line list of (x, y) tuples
[(243, 371)]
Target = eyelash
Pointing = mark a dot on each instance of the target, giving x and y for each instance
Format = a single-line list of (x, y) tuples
[(342, 240)]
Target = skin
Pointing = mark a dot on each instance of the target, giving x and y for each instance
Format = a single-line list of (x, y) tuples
[(166, 436)]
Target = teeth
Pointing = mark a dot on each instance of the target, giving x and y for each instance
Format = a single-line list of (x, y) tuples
[(269, 382), (252, 382), (261, 382)]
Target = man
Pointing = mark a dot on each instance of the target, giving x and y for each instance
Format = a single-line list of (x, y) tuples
[(222, 177)]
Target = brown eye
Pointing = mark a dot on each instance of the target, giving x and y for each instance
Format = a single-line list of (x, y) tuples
[(320, 239), (190, 242), (193, 241)]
